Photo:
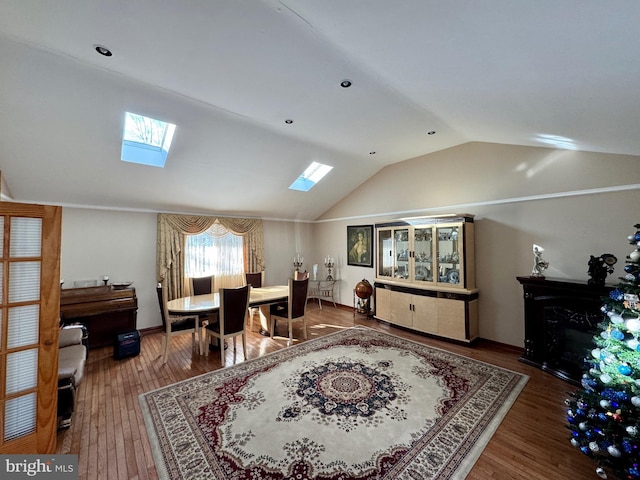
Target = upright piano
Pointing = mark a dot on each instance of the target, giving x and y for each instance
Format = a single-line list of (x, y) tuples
[(106, 311)]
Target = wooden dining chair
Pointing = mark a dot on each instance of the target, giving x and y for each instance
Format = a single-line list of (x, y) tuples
[(300, 275), (255, 279), (296, 307), (232, 320), (176, 325), (204, 286)]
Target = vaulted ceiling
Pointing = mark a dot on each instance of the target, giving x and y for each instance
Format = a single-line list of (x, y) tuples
[(229, 73)]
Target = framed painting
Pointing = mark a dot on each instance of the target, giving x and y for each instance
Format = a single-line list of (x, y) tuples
[(360, 245)]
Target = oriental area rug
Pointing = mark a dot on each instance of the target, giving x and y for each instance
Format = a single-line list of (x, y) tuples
[(356, 404)]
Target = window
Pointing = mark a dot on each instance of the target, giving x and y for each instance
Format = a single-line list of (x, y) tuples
[(146, 140), (312, 175), (215, 252)]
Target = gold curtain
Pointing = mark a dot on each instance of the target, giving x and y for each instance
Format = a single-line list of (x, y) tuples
[(172, 230)]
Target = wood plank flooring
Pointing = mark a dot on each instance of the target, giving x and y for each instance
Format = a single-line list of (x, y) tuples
[(110, 438)]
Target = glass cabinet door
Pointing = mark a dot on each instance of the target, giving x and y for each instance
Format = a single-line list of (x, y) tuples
[(403, 255), (423, 252), (385, 253), (394, 253), (449, 254)]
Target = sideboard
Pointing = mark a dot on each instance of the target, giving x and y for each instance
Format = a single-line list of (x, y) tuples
[(106, 311), (561, 318)]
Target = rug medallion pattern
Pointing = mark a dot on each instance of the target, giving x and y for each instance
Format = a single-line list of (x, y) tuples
[(357, 404)]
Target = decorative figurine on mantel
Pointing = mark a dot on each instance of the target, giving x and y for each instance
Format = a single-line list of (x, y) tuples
[(539, 265), (599, 267)]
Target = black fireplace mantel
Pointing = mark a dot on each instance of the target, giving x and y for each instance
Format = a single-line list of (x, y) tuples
[(561, 317)]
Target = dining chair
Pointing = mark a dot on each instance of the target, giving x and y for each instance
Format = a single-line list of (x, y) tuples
[(296, 307), (176, 325), (232, 320), (204, 286), (255, 279), (297, 275)]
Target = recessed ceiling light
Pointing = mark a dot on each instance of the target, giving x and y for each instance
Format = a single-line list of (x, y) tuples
[(345, 83), (102, 50), (288, 121), (432, 132)]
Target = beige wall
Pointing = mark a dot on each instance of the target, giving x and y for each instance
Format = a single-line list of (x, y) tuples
[(574, 204)]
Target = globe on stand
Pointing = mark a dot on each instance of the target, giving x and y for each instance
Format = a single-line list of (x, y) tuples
[(363, 291)]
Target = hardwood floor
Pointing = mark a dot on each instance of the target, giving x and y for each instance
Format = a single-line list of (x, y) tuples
[(109, 435)]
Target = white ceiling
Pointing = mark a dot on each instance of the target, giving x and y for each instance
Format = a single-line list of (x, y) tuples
[(230, 72)]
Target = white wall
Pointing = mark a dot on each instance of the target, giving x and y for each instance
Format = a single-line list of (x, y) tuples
[(121, 245), (282, 241)]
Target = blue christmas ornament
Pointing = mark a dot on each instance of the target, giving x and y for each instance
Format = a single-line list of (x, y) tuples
[(585, 450), (616, 295), (616, 334), (602, 417), (634, 472), (631, 268), (624, 369), (622, 396)]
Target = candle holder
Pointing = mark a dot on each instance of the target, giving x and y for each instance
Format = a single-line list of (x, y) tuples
[(297, 262), (329, 263)]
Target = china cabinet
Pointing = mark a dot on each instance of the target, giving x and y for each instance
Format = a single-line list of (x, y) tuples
[(425, 275)]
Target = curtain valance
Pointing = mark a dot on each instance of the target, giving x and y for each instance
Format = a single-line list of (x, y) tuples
[(172, 230)]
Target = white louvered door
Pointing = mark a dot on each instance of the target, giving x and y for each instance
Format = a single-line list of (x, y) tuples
[(29, 313)]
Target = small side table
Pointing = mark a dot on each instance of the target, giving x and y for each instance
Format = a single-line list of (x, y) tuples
[(322, 290)]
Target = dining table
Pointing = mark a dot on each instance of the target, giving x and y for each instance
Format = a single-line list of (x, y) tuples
[(261, 297)]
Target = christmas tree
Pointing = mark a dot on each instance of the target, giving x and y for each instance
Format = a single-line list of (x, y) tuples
[(604, 416)]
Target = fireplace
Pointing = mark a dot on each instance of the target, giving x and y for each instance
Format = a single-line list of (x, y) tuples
[(561, 318)]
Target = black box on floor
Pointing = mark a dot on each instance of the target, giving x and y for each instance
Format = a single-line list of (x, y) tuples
[(127, 345)]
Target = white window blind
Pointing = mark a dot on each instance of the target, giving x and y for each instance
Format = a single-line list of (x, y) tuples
[(24, 282), (21, 285), (19, 416), (23, 326), (22, 371), (26, 237)]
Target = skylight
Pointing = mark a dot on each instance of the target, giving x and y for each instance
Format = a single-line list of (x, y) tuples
[(312, 175), (146, 140)]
